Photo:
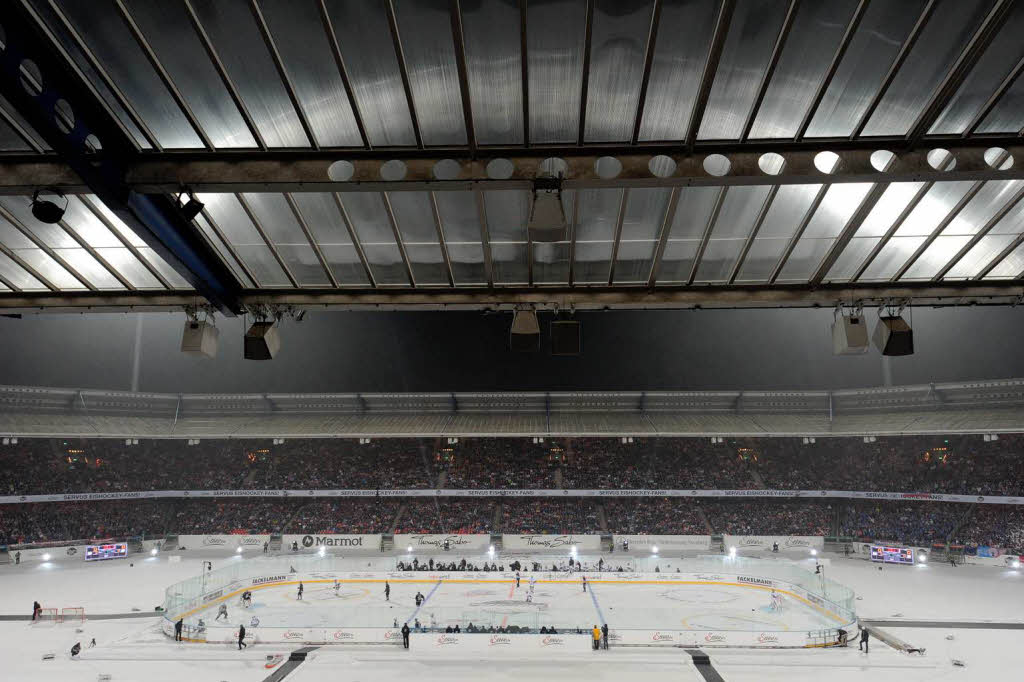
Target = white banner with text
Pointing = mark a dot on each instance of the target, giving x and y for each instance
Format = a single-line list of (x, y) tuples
[(448, 492)]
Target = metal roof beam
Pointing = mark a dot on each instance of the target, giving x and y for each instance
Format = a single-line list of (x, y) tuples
[(769, 71), (652, 38), (948, 294)]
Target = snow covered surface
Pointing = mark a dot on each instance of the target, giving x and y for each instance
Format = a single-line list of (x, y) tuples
[(134, 649)]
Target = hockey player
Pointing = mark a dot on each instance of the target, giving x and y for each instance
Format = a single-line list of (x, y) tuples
[(299, 597), (529, 594), (337, 586), (387, 591), (584, 583), (76, 649), (222, 611), (36, 608), (776, 603), (247, 599), (517, 580)]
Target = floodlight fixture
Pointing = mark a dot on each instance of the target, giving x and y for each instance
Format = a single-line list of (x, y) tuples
[(46, 211)]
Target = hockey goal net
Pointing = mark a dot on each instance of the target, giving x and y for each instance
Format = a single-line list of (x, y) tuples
[(48, 616), (72, 614)]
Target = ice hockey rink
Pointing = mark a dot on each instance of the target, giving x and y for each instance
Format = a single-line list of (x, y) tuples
[(964, 613), (559, 602)]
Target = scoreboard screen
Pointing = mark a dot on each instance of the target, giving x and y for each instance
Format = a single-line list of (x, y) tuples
[(892, 555), (113, 550)]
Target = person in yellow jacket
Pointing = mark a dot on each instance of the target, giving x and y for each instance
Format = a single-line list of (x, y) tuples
[(597, 638)]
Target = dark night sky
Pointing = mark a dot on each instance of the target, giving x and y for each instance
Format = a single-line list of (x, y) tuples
[(447, 351)]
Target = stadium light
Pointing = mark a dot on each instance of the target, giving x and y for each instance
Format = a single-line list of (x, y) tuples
[(732, 551), (1016, 564), (490, 550), (409, 548), (922, 557), (814, 552), (547, 216), (46, 557), (655, 549), (238, 550), (47, 211), (152, 552)]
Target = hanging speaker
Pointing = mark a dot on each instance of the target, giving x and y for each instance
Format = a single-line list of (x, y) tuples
[(849, 335), (893, 336), (524, 337), (566, 337), (262, 341)]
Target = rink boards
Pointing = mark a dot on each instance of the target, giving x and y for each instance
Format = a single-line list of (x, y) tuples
[(830, 615)]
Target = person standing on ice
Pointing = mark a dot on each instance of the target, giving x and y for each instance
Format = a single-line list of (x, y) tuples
[(300, 591), (241, 637), (604, 636), (863, 646), (596, 633), (177, 629), (337, 586), (222, 611), (405, 635), (387, 591), (36, 608), (517, 580), (585, 586)]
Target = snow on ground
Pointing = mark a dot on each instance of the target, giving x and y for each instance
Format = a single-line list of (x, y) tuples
[(133, 649)]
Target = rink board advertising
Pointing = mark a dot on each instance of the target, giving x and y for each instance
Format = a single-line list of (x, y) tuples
[(113, 550), (892, 555)]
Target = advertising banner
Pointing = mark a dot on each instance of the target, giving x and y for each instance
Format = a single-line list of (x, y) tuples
[(810, 494), (556, 544), (246, 542), (787, 543), (436, 543), (664, 542), (335, 542)]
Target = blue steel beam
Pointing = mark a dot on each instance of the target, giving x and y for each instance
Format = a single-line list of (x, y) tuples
[(155, 218)]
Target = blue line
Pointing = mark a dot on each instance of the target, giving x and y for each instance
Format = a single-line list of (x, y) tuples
[(600, 615), (429, 595)]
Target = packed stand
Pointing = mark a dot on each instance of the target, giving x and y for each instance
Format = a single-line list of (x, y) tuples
[(994, 525), (346, 515), (654, 516), (911, 523), (755, 517), (493, 463), (64, 521), (255, 517), (606, 463), (965, 465), (341, 464), (697, 464), (447, 515), (548, 516)]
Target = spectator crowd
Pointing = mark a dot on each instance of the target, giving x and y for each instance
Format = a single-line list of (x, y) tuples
[(953, 464)]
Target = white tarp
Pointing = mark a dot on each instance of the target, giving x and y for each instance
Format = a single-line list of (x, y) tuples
[(810, 494)]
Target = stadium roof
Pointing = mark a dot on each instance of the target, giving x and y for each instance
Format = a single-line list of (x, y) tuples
[(974, 407), (716, 153)]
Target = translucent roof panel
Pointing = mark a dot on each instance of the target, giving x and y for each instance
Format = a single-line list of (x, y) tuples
[(468, 265), (107, 36), (718, 260), (494, 65), (934, 257), (592, 262), (426, 32), (414, 216), (807, 254), (994, 65), (618, 47), (17, 277), (894, 200), (891, 258), (933, 208), (684, 35), (551, 263), (677, 261), (1011, 267), (693, 211), (599, 211), (460, 217), (428, 266), (633, 261), (987, 201), (507, 215), (762, 259), (817, 30), (755, 26), (236, 37), (836, 208), (364, 40), (851, 258), (884, 28), (555, 36), (305, 50), (11, 141), (941, 41), (168, 30), (509, 262), (789, 207)]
